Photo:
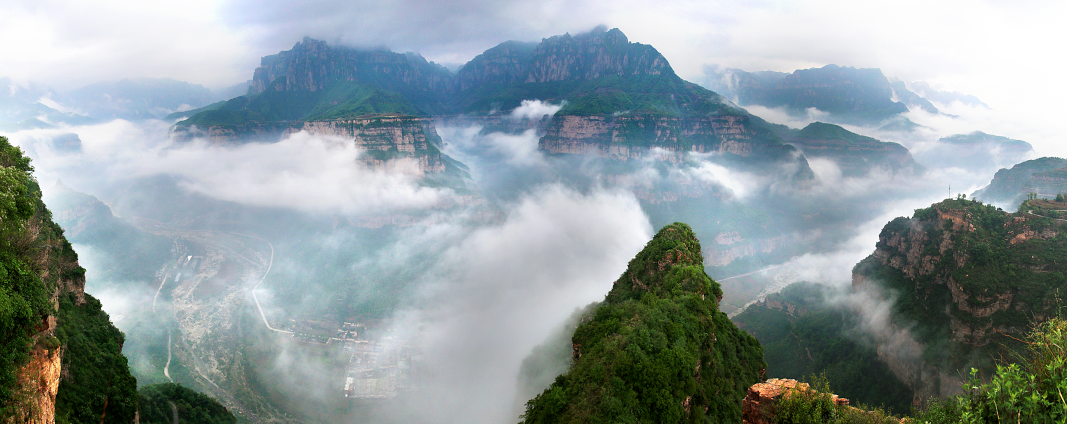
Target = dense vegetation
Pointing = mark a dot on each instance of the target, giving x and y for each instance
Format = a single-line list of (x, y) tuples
[(803, 334), (98, 386), (26, 237), (814, 405), (167, 403), (657, 349)]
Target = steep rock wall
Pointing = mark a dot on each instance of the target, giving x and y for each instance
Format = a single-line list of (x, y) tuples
[(635, 137)]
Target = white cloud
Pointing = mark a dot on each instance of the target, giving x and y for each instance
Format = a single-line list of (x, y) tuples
[(499, 290), (302, 172), (535, 109)]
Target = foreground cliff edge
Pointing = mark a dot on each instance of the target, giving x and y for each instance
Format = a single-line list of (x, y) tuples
[(657, 349), (61, 357)]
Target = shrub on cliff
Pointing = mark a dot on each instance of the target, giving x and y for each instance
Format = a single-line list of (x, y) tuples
[(1033, 390), (657, 349)]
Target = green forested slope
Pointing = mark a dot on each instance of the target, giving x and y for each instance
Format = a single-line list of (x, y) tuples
[(657, 349)]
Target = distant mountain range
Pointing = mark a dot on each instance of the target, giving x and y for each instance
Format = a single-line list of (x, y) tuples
[(34, 107), (862, 96), (618, 99)]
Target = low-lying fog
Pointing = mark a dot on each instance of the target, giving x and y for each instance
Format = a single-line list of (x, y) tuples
[(471, 285)]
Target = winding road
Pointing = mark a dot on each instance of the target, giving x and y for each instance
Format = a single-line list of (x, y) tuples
[(254, 288)]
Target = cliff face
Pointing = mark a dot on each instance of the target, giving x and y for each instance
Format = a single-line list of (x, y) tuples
[(57, 338), (635, 137), (38, 381), (312, 65), (587, 56), (1047, 184), (968, 276), (385, 138)]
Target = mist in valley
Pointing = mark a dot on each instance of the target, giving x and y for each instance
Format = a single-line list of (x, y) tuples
[(300, 278)]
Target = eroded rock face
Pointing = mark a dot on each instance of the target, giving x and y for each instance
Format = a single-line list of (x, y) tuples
[(312, 65), (759, 405), (392, 137), (38, 381), (636, 137)]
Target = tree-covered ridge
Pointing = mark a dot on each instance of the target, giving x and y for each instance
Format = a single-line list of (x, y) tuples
[(657, 349), (962, 269), (168, 403), (36, 264)]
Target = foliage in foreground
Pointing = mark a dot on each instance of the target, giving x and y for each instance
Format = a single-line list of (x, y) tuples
[(1033, 390), (816, 406), (31, 246), (657, 349)]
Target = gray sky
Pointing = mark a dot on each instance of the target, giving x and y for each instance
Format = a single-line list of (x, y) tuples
[(1006, 53)]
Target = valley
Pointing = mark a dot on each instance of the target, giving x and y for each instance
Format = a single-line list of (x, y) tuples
[(574, 229)]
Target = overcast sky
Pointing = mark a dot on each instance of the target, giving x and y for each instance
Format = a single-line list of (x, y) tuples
[(1009, 54)]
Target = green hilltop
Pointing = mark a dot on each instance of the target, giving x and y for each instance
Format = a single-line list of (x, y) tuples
[(657, 349)]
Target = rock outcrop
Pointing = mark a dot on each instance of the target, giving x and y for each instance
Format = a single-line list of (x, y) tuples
[(759, 405), (312, 65), (385, 138), (38, 381)]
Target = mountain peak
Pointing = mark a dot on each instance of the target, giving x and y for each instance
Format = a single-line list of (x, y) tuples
[(670, 264)]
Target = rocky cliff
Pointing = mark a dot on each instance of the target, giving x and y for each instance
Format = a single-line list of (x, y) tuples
[(620, 98), (1047, 184), (312, 65), (38, 382), (55, 336), (968, 276), (586, 56), (635, 137), (386, 137)]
